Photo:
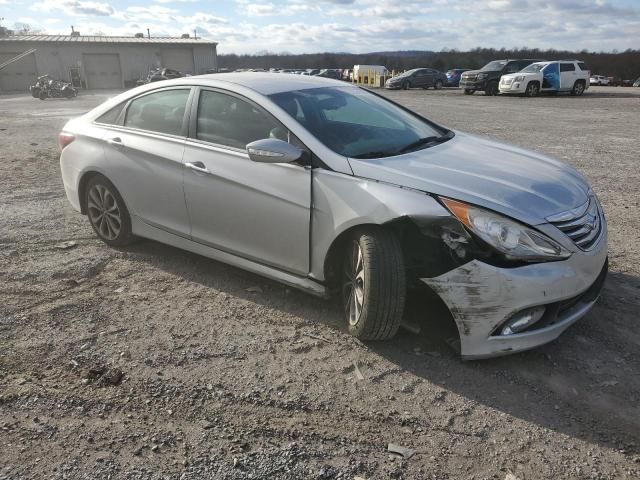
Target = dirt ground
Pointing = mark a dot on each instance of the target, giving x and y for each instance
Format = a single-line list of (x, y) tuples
[(151, 362)]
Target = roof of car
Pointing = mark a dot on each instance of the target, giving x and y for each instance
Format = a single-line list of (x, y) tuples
[(269, 83)]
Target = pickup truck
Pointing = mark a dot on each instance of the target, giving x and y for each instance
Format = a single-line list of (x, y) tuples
[(551, 77)]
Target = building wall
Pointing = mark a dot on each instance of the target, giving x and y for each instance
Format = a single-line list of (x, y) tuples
[(55, 59)]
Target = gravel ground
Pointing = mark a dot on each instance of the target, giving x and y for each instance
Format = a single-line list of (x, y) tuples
[(151, 362)]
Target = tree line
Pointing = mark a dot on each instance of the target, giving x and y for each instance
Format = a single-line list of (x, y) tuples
[(625, 65)]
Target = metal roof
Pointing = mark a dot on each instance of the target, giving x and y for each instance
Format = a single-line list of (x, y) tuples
[(105, 39)]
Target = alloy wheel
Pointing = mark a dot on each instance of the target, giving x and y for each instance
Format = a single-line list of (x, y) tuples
[(353, 285), (104, 212)]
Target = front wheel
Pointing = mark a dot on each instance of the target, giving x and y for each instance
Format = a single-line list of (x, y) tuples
[(107, 212), (468, 91), (438, 85), (492, 89), (406, 86), (532, 90), (373, 284)]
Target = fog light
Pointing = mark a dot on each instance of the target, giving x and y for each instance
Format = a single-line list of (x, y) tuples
[(522, 320)]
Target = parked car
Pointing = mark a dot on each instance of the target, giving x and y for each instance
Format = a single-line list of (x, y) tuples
[(637, 82), (330, 73), (487, 79), (333, 189), (548, 77), (599, 80), (454, 75), (418, 78), (627, 83)]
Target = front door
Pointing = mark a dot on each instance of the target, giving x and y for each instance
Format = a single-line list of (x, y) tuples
[(259, 211), (144, 150)]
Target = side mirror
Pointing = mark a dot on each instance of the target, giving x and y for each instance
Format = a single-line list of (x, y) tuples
[(273, 150)]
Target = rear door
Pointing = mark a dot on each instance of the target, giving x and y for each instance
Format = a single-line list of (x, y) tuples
[(258, 211), (567, 75), (143, 151)]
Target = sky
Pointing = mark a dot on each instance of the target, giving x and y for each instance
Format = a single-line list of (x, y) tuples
[(307, 26)]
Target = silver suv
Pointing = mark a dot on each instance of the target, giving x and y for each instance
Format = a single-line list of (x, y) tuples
[(336, 190)]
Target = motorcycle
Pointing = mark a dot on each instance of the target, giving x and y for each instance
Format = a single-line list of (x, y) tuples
[(47, 87)]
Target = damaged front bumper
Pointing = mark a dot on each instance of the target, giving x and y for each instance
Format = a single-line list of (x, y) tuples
[(483, 299)]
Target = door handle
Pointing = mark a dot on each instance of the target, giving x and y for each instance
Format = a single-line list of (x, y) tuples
[(115, 141), (197, 167)]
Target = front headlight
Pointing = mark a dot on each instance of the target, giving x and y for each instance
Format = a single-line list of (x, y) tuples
[(482, 76), (514, 240), (519, 78)]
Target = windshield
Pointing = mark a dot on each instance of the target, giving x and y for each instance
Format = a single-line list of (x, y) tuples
[(495, 65), (358, 124), (533, 68)]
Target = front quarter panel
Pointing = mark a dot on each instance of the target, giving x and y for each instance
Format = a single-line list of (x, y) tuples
[(341, 202)]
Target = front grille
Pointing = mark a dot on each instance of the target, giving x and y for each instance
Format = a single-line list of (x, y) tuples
[(583, 225), (468, 77), (507, 81)]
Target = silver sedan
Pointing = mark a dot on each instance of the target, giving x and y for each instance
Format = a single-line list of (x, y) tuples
[(338, 191)]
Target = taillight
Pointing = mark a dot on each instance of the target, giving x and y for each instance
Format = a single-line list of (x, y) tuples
[(65, 139)]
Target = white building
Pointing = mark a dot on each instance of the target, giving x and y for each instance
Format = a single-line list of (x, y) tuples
[(100, 61)]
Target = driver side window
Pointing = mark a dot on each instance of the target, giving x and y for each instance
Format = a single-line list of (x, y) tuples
[(234, 122)]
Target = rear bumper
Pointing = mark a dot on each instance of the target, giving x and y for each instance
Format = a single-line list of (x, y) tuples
[(482, 298)]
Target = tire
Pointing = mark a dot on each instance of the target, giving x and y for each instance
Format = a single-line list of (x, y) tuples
[(491, 89), (438, 85), (406, 86), (468, 91), (42, 95), (578, 89), (106, 209), (373, 284), (532, 90)]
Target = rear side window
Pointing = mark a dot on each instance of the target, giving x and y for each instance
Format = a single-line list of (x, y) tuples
[(567, 67), (234, 122), (582, 66), (111, 117), (161, 112)]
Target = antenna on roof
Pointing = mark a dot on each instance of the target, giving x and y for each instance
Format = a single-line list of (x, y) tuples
[(148, 33), (195, 33)]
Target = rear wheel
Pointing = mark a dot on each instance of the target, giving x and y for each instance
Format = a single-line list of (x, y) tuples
[(578, 89), (107, 212), (532, 89), (373, 284), (491, 89), (468, 91)]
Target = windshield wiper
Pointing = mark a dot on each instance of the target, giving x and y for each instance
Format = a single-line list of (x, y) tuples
[(373, 155), (425, 141)]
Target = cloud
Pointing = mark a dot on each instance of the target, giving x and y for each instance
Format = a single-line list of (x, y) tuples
[(75, 8)]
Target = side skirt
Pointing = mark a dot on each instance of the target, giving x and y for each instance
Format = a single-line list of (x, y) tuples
[(145, 230)]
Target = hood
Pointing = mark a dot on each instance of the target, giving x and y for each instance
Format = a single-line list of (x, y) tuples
[(507, 179), (471, 72), (522, 74)]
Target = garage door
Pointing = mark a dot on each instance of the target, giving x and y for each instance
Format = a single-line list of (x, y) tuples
[(180, 59), (20, 74), (102, 70)]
